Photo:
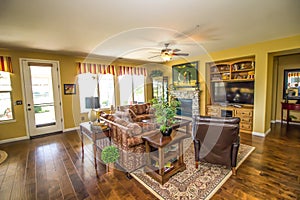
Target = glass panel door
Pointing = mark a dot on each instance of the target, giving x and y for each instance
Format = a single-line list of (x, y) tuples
[(42, 96), (43, 100)]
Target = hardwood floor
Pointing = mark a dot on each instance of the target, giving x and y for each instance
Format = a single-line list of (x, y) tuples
[(272, 171), (51, 168)]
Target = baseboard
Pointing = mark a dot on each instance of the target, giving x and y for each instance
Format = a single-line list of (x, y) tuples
[(284, 122), (268, 131), (27, 137), (261, 134), (258, 134), (14, 139), (71, 129)]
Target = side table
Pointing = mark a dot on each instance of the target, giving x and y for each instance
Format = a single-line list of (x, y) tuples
[(156, 140), (288, 107), (94, 133)]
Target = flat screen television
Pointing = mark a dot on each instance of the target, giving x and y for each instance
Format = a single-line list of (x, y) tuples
[(233, 92)]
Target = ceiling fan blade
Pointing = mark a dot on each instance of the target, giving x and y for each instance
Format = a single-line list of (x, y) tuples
[(180, 54), (165, 50), (187, 33), (153, 56), (176, 50), (157, 52)]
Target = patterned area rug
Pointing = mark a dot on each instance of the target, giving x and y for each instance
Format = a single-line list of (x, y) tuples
[(3, 156), (192, 183)]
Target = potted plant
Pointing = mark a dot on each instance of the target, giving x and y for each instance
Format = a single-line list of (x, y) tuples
[(165, 113), (109, 156)]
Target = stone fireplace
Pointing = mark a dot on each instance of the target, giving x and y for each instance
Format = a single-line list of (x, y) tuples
[(190, 101)]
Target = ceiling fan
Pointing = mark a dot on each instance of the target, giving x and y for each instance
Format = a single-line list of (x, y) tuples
[(167, 54)]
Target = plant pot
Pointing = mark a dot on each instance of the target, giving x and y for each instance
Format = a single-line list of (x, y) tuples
[(168, 132)]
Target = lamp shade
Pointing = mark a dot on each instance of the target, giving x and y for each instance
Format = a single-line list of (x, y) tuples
[(92, 102)]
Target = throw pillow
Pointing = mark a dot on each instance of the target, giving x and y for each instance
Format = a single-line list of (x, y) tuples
[(133, 108), (141, 109), (134, 128)]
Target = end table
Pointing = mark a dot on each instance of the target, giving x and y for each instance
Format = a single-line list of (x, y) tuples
[(160, 173), (93, 134)]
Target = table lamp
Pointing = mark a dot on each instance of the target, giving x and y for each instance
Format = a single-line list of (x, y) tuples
[(92, 102)]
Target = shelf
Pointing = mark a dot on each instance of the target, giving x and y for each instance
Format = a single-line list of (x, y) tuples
[(220, 72), (220, 80), (168, 156), (233, 80), (175, 164), (242, 80), (242, 70)]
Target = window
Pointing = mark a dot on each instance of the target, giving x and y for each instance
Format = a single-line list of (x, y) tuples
[(87, 84), (131, 89), (96, 85), (5, 97), (106, 90), (125, 85), (138, 88)]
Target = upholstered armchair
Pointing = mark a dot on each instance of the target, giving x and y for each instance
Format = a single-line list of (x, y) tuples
[(216, 140), (140, 112)]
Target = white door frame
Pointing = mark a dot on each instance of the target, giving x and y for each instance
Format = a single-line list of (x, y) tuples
[(23, 63)]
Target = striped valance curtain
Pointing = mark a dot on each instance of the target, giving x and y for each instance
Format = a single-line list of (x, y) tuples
[(109, 69), (96, 68), (132, 71), (5, 64)]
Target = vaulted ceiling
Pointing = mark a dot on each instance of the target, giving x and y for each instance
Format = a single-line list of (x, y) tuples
[(138, 29)]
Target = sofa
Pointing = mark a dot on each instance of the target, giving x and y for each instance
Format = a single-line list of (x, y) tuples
[(135, 113), (216, 140), (127, 137)]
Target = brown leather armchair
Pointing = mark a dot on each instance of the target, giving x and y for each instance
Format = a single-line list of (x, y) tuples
[(216, 140)]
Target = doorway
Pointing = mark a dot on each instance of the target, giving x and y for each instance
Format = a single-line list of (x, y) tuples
[(42, 97), (282, 61)]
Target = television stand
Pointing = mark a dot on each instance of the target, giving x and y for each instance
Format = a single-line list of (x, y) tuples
[(245, 113)]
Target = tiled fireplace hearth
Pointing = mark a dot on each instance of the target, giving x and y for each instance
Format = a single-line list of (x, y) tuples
[(189, 94)]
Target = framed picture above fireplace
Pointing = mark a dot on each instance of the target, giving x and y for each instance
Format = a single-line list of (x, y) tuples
[(185, 75)]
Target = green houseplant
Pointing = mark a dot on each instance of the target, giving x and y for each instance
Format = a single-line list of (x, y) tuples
[(110, 155), (165, 113)]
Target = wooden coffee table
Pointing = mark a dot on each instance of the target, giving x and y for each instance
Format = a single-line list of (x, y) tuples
[(156, 160)]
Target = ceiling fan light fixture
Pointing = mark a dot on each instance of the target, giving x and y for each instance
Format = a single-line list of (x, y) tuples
[(166, 57)]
